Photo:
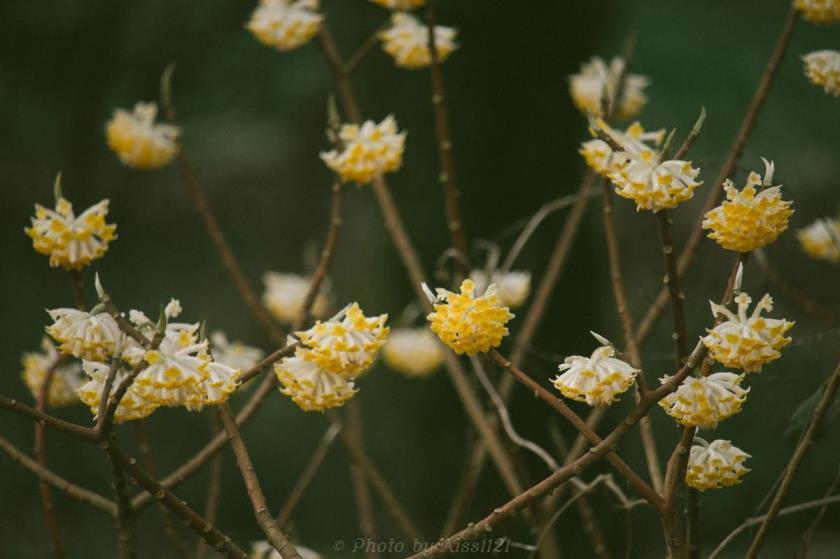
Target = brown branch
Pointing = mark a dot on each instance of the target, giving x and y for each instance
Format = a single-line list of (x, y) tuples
[(77, 286), (214, 491), (124, 519), (40, 453), (365, 516), (270, 359), (812, 528), (77, 431)]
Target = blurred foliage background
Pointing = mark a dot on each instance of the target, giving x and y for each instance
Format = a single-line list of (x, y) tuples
[(254, 122)]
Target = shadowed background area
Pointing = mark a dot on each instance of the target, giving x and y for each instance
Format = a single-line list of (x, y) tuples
[(254, 121)]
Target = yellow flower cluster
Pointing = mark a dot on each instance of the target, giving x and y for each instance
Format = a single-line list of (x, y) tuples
[(71, 242), (367, 151), (705, 401), (511, 287), (285, 293), (133, 405), (407, 41), (715, 465), (747, 342), (746, 221), (65, 381), (413, 351), (399, 4), (600, 156), (821, 240), (311, 387), (823, 68), (819, 11), (138, 141), (81, 334), (285, 24), (598, 379), (654, 184), (468, 323), (596, 85)]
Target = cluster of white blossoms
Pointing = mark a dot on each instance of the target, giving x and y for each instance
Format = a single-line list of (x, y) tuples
[(84, 335), (233, 354), (331, 355), (652, 183), (598, 379), (597, 83), (285, 24), (367, 151), (285, 294), (819, 11), (512, 287), (600, 156), (407, 41), (822, 68), (71, 242), (139, 141), (399, 4), (821, 240), (705, 401), (747, 342), (132, 406), (413, 351), (715, 465), (66, 379)]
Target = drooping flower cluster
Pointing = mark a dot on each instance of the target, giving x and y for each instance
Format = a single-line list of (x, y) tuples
[(138, 141), (597, 83), (598, 379), (705, 401), (71, 242), (285, 24), (67, 378), (600, 156), (413, 351), (466, 322), (367, 151), (84, 335), (652, 183), (407, 41), (747, 342), (819, 11), (512, 287), (746, 221), (715, 465), (330, 356), (284, 296), (821, 240), (400, 4), (822, 68)]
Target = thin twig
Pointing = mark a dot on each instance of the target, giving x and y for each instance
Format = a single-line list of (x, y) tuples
[(812, 528), (124, 520), (77, 431), (214, 491), (40, 453), (365, 517)]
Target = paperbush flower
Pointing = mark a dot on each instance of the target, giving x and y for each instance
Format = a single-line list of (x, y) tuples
[(81, 334), (819, 11), (284, 296), (138, 141), (823, 68), (132, 406), (705, 401), (345, 345), (511, 287), (367, 151), (71, 242), (598, 379), (311, 387), (716, 465), (821, 240), (413, 351), (746, 221), (235, 355), (598, 81), (66, 379), (654, 184), (285, 24), (600, 156), (747, 342), (407, 41), (468, 323)]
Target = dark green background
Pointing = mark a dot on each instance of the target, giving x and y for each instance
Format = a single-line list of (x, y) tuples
[(253, 124)]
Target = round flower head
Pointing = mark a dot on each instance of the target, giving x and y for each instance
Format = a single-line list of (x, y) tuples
[(705, 401), (344, 345), (511, 287), (407, 41), (400, 4), (821, 240), (84, 335), (311, 387), (746, 221), (600, 156), (285, 294), (71, 242), (235, 355), (132, 406), (65, 381), (819, 11), (715, 465), (654, 184), (468, 323), (823, 68), (138, 141), (597, 83), (597, 379), (413, 351), (285, 24), (747, 342), (367, 151)]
